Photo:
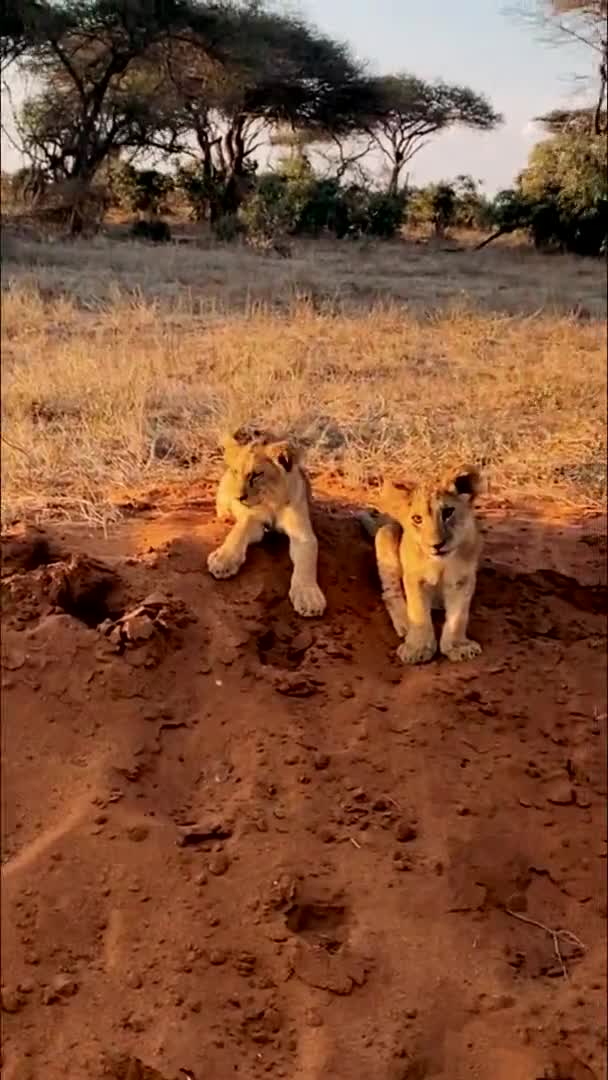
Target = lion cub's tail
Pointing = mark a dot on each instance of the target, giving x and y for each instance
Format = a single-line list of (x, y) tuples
[(372, 520)]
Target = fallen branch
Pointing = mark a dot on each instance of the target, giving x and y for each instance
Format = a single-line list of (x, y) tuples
[(555, 935)]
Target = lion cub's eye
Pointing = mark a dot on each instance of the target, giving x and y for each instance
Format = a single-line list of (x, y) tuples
[(416, 518), (253, 476), (447, 512)]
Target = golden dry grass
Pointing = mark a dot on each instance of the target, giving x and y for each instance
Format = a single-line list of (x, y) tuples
[(122, 363)]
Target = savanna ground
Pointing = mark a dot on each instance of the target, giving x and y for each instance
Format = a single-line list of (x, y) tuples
[(237, 842)]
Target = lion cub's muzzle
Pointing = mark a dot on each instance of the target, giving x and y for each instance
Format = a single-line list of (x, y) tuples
[(438, 551)]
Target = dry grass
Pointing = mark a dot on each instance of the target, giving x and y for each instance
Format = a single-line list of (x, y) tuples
[(122, 363)]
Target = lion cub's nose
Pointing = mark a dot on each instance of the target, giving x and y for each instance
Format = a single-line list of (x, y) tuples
[(243, 497)]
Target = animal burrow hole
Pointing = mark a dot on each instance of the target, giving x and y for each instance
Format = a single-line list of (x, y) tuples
[(86, 590)]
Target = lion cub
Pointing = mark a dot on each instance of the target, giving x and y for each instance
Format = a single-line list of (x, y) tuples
[(431, 550), (265, 487)]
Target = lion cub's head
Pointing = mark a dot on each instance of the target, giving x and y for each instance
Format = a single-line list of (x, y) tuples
[(260, 468), (437, 516)]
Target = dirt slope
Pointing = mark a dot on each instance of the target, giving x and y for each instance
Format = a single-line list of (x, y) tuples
[(239, 843)]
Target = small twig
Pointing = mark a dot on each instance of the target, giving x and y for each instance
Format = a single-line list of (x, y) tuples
[(555, 935), (354, 843), (15, 446)]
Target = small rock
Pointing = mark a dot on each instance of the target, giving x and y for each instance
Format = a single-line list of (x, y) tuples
[(155, 599), (11, 1001), (295, 685), (64, 985), (61, 986), (326, 834), (134, 980), (405, 832), (561, 793), (139, 628), (219, 863), (302, 641), (217, 957), (201, 879)]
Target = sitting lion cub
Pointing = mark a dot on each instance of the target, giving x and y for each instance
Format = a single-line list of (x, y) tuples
[(265, 487), (431, 550)]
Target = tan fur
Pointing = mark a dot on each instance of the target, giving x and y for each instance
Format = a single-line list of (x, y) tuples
[(265, 487), (427, 558)]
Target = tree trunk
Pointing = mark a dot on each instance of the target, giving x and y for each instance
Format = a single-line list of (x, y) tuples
[(489, 239)]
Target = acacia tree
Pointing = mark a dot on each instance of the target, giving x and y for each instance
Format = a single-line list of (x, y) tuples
[(410, 110), (586, 21), (90, 57), (583, 22), (281, 74), (130, 118)]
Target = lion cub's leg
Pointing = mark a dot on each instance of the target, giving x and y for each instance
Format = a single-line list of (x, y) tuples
[(420, 644), (387, 542), (226, 560), (454, 641), (304, 593)]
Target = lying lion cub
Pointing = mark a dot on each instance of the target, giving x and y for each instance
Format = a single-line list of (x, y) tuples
[(265, 487), (431, 550)]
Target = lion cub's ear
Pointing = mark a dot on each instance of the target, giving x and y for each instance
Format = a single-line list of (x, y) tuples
[(465, 481), (395, 499), (284, 453)]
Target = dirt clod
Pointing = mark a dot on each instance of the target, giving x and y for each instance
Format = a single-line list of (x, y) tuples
[(11, 1001), (219, 863)]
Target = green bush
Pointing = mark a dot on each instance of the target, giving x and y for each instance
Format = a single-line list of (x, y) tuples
[(450, 203), (142, 191), (213, 194), (294, 202), (561, 198), (200, 191)]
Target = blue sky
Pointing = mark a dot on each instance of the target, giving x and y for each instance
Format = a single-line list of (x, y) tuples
[(472, 42)]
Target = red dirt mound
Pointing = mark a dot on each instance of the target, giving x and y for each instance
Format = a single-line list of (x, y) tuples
[(236, 842)]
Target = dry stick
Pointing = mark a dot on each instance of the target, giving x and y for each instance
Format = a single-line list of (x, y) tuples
[(555, 935), (15, 446)]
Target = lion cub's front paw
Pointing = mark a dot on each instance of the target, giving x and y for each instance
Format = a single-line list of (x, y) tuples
[(417, 650), (461, 650), (307, 600), (223, 564)]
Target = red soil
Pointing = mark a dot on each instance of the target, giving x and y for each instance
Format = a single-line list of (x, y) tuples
[(236, 842)]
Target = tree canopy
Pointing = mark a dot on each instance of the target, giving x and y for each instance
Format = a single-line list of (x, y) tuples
[(410, 110), (210, 80)]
